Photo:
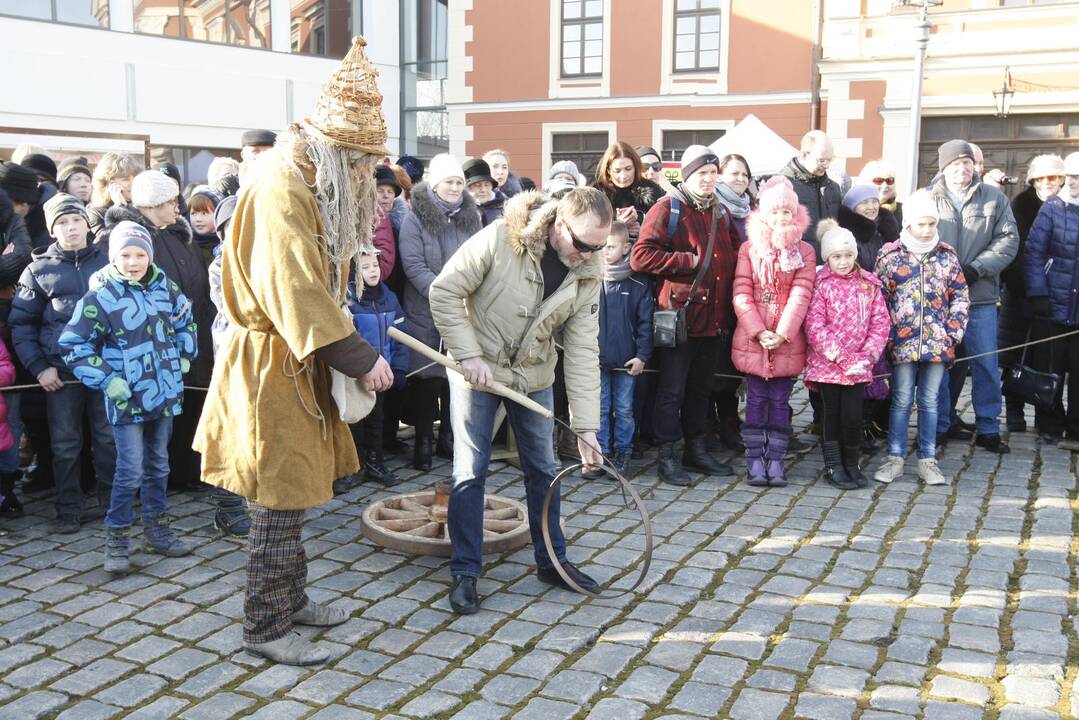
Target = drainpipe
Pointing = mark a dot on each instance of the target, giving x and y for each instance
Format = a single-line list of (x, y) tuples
[(814, 71)]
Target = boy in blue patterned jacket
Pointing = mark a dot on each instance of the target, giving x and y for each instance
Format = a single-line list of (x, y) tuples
[(133, 337), (375, 309)]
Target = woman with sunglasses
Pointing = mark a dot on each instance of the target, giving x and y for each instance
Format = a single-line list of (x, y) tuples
[(620, 176), (882, 174)]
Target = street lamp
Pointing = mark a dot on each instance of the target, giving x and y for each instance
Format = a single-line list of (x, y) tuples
[(1002, 98), (921, 40)]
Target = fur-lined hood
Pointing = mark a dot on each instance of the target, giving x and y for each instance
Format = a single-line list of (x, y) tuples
[(467, 220), (528, 216), (118, 213)]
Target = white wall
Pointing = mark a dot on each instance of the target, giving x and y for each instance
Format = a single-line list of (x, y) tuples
[(186, 93)]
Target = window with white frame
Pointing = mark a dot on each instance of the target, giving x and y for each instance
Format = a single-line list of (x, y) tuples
[(582, 38), (583, 148), (696, 35), (675, 142)]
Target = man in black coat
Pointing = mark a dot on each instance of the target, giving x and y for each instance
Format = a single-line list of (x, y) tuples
[(808, 172)]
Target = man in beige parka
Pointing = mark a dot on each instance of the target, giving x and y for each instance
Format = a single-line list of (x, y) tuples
[(497, 304)]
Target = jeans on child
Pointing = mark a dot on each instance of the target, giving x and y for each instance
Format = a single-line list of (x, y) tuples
[(981, 337), (473, 415), (927, 376), (142, 465), (9, 459), (68, 408), (616, 392), (767, 400)]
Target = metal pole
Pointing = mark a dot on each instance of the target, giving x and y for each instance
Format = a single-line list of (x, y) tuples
[(921, 40)]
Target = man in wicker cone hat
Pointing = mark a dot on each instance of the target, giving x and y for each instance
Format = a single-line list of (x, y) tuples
[(270, 430)]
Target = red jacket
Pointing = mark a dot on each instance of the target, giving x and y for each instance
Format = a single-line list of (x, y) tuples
[(674, 263), (382, 238), (785, 318)]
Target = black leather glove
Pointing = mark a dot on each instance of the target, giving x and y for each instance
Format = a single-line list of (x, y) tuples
[(1040, 306), (971, 274)]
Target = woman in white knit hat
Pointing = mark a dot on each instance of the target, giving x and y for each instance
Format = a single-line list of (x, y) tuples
[(1045, 177), (442, 217)]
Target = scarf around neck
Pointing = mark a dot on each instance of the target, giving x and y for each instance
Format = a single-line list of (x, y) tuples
[(916, 246), (448, 209), (737, 204), (699, 201), (617, 272)]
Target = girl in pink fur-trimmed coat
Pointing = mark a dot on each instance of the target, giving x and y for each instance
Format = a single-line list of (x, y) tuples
[(847, 328), (772, 287)]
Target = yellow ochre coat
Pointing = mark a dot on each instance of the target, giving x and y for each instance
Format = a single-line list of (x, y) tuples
[(270, 430)]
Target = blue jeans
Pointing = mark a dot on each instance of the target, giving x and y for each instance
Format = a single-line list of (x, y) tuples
[(472, 414), (981, 336), (927, 376), (9, 459), (616, 392), (142, 465), (67, 407)]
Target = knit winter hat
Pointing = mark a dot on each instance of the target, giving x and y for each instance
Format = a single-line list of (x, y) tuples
[(258, 138), (128, 234), (384, 175), (834, 239), (443, 166), (151, 188), (223, 213), (1045, 166), (695, 157), (66, 171), (859, 194), (19, 182), (478, 170), (1071, 164), (62, 204), (919, 205), (413, 166), (41, 164), (567, 168), (349, 108), (777, 192), (951, 151), (644, 150)]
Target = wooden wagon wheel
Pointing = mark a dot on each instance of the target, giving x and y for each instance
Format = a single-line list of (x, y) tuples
[(416, 523)]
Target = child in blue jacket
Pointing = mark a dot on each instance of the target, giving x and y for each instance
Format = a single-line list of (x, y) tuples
[(133, 337), (625, 345), (375, 309)]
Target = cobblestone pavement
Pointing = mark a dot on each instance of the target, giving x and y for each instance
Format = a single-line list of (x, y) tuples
[(894, 602)]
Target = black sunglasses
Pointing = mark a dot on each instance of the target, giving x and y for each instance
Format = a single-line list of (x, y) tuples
[(656, 166), (578, 245)]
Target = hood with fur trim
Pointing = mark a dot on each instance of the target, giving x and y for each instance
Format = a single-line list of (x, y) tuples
[(431, 217), (528, 216)]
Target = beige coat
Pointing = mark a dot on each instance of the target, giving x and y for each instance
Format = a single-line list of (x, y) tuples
[(488, 302), (270, 431)]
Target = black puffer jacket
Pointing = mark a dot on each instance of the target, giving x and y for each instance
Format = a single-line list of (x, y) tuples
[(35, 219), (1015, 311), (819, 194), (177, 254), (871, 235)]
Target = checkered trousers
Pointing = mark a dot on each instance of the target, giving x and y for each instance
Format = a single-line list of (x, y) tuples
[(276, 573)]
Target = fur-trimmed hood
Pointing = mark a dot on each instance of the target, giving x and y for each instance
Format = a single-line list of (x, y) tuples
[(864, 229), (528, 216), (118, 213), (432, 219)]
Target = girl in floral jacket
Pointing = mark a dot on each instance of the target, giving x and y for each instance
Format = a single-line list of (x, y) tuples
[(847, 327), (772, 286), (928, 303)]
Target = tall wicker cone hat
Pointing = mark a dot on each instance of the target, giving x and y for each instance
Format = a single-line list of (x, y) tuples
[(349, 108)]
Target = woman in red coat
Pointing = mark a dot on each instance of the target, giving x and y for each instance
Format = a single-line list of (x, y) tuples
[(772, 288)]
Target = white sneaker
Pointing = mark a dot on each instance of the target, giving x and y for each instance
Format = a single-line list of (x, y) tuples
[(890, 470), (930, 473)]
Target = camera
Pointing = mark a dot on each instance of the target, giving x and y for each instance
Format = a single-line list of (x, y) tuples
[(1009, 180)]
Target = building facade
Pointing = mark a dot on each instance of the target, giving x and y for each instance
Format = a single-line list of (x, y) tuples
[(189, 76), (560, 79)]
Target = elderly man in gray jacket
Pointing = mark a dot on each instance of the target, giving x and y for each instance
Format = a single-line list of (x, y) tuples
[(977, 221)]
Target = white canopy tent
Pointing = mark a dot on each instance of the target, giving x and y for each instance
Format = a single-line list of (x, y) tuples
[(761, 146)]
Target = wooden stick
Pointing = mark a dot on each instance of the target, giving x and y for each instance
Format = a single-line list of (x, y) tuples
[(495, 387)]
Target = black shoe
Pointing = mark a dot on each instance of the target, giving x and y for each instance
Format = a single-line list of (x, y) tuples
[(963, 424), (374, 468), (834, 471), (1050, 438), (594, 474), (67, 525), (851, 455), (463, 596), (992, 443), (958, 432), (696, 457), (670, 470), (10, 507), (1015, 419), (621, 461), (421, 454), (794, 445), (342, 485), (551, 577)]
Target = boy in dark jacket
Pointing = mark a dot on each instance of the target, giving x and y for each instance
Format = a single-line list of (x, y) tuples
[(625, 345), (375, 309), (133, 337), (56, 279)]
